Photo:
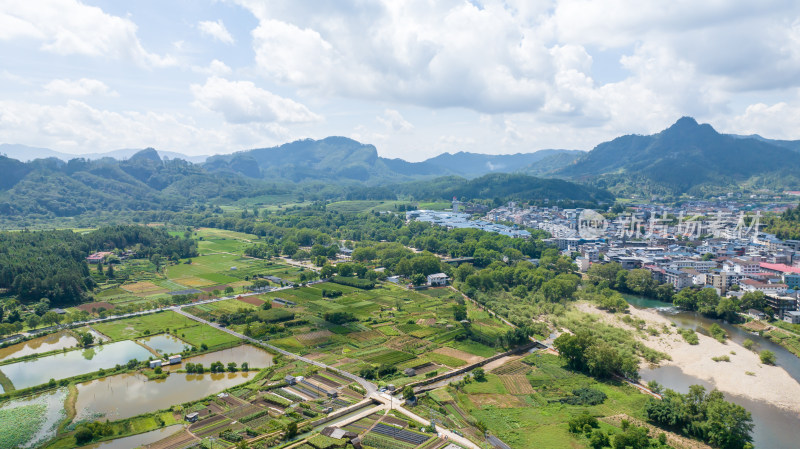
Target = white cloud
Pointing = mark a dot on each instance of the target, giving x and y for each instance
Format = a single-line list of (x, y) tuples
[(69, 27), (79, 128), (216, 30), (78, 88), (515, 57), (244, 102), (394, 121), (215, 68), (776, 121)]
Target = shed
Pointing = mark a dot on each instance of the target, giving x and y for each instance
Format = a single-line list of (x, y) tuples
[(290, 380), (410, 372), (155, 363), (192, 417), (173, 359)]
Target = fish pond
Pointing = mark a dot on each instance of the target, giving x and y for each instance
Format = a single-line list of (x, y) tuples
[(72, 363), (52, 342), (126, 395)]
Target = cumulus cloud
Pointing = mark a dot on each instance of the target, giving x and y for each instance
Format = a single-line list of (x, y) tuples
[(216, 30), (776, 121), (508, 57), (244, 102), (69, 27), (215, 68), (394, 121), (83, 87), (78, 127)]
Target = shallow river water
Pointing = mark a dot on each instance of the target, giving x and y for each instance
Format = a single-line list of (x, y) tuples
[(774, 427)]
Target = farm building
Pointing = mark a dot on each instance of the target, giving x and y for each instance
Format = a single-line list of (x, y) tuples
[(97, 257), (437, 280), (155, 363), (173, 359), (192, 417)]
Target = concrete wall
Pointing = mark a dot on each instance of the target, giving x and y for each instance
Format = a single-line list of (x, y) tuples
[(418, 386)]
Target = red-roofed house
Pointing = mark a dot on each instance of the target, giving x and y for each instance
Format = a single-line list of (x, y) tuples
[(779, 268), (97, 257)]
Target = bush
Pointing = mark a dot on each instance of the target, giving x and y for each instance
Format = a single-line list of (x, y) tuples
[(690, 336), (354, 282), (748, 344), (339, 317), (577, 423), (767, 357), (585, 396), (718, 332)]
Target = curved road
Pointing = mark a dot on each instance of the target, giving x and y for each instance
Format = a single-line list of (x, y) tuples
[(372, 390)]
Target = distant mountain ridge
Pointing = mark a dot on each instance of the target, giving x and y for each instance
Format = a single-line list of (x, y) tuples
[(687, 157), (341, 158), (26, 153), (332, 158)]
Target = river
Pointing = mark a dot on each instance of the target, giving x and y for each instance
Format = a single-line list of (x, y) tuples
[(775, 427)]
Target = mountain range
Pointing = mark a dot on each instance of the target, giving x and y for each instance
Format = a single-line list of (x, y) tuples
[(689, 158), (686, 158), (26, 153)]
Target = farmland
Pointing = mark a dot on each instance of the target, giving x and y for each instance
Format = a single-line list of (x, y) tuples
[(520, 402), (221, 264), (383, 331), (186, 329)]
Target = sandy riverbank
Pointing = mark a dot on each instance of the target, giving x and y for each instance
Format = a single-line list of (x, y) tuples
[(769, 383)]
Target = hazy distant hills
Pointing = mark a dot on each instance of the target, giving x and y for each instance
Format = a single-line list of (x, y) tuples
[(341, 158), (54, 188), (333, 159), (687, 157), (333, 168), (25, 153)]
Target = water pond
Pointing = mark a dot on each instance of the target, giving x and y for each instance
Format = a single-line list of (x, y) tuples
[(27, 422), (165, 344), (52, 342), (137, 440), (125, 395), (255, 357), (59, 366)]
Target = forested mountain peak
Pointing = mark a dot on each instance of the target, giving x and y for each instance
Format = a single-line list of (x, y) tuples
[(686, 157), (149, 154)]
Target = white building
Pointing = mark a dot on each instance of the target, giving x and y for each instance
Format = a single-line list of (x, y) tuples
[(437, 279)]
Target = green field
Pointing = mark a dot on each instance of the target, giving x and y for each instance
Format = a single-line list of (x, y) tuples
[(537, 420), (357, 206), (188, 330)]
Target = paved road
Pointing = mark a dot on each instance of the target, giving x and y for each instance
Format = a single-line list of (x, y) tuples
[(397, 404), (36, 332), (370, 388)]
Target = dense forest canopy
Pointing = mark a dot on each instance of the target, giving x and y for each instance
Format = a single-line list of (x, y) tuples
[(52, 264)]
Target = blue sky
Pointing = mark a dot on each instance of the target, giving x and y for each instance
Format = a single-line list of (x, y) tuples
[(414, 78)]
